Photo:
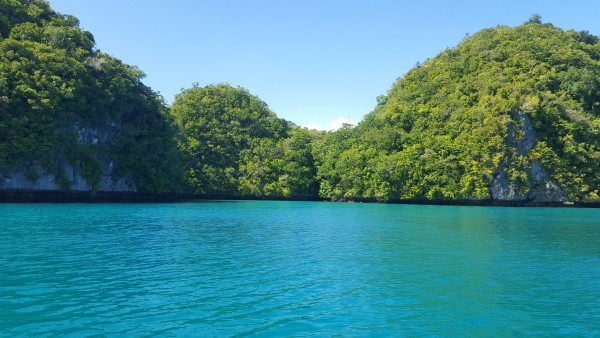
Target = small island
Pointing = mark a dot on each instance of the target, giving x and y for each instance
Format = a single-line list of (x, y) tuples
[(509, 116)]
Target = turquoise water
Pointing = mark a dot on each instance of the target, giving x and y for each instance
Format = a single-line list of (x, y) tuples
[(278, 269)]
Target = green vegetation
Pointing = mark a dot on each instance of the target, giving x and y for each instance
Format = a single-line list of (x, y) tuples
[(236, 146), (510, 113), (54, 85), (444, 129)]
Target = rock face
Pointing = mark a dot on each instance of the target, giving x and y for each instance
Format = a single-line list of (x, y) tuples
[(42, 180), (543, 189), (104, 135), (20, 180)]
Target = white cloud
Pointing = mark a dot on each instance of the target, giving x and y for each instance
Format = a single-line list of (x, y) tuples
[(333, 125), (314, 126), (339, 122)]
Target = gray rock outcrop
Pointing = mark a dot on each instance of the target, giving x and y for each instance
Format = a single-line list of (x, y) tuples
[(542, 187), (43, 180)]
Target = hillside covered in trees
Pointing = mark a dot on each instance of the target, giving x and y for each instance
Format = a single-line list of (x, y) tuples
[(73, 117), (235, 146), (510, 114)]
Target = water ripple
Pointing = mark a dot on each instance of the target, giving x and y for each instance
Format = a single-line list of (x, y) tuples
[(268, 269)]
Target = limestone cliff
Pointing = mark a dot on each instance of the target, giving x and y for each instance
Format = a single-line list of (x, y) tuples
[(70, 177), (539, 187), (22, 179)]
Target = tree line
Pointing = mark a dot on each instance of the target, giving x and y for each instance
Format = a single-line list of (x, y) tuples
[(446, 130)]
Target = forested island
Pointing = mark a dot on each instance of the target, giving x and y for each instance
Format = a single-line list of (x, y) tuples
[(510, 115)]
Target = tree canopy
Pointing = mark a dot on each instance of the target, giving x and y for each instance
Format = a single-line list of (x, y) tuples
[(236, 146), (449, 127), (54, 85), (509, 113)]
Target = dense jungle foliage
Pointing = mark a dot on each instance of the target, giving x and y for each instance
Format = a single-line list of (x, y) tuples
[(449, 129), (236, 146), (54, 86), (442, 130)]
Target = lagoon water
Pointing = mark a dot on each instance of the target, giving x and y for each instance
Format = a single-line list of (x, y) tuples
[(280, 269)]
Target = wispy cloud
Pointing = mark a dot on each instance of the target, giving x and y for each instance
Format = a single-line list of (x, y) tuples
[(339, 122), (333, 125), (314, 126)]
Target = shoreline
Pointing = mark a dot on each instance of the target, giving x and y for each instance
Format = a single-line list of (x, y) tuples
[(56, 196)]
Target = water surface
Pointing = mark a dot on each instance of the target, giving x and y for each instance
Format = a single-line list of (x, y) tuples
[(274, 269)]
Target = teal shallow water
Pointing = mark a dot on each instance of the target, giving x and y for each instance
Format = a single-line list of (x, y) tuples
[(275, 269)]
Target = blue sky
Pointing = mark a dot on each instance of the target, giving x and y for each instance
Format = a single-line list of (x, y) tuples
[(312, 61)]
